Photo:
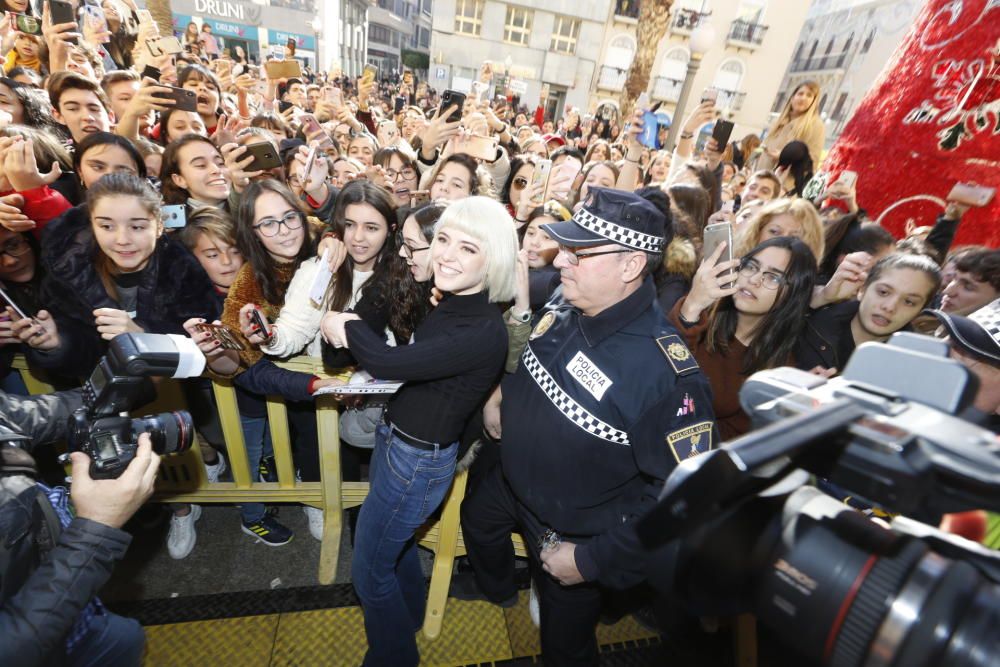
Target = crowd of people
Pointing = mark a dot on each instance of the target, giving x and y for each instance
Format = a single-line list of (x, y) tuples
[(542, 282)]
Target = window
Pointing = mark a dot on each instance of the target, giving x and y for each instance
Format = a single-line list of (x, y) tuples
[(564, 34), (378, 33), (779, 101), (751, 11), (469, 17), (847, 49), (620, 52), (517, 28), (822, 103), (675, 64), (729, 76), (838, 111), (425, 37), (868, 41), (798, 52)]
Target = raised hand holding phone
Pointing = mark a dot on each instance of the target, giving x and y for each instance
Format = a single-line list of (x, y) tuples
[(254, 325), (709, 284)]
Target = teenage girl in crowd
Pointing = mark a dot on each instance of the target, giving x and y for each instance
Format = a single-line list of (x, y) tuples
[(738, 324), (455, 359)]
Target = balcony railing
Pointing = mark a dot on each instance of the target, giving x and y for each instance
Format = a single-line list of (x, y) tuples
[(612, 78), (627, 8), (667, 89), (730, 99), (686, 20), (744, 32), (816, 63)]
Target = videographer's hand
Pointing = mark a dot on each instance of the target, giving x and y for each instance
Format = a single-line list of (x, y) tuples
[(39, 332), (707, 287), (113, 501), (111, 322)]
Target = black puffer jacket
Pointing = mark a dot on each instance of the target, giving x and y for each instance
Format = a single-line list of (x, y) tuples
[(47, 574), (174, 288), (823, 341)]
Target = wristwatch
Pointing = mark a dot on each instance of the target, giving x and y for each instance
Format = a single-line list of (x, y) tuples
[(523, 318)]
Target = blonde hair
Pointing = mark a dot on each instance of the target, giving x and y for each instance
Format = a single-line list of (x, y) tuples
[(800, 126), (487, 221), (681, 257), (801, 210)]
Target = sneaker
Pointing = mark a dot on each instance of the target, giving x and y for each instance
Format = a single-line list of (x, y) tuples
[(182, 535), (215, 470), (533, 610), (315, 516), (268, 531), (267, 470)]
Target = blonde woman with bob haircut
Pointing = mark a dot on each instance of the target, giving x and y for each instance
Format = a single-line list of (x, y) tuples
[(457, 354), (783, 217), (799, 121)]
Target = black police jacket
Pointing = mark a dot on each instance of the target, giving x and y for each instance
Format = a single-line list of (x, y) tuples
[(598, 413)]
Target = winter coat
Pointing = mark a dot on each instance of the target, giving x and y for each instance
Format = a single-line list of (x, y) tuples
[(174, 288), (823, 341)]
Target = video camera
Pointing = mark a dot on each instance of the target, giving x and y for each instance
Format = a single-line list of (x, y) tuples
[(121, 382), (738, 530)]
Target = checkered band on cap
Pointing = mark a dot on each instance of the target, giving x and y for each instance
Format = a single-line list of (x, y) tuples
[(617, 233), (988, 317), (570, 409)]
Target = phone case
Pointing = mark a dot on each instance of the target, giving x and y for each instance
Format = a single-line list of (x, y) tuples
[(971, 194), (221, 333), (540, 176)]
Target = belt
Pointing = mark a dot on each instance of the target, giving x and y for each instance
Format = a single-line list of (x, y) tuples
[(415, 442)]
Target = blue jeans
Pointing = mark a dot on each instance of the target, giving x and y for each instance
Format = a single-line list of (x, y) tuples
[(257, 437), (406, 485), (111, 641)]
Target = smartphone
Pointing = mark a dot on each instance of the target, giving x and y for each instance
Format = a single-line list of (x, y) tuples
[(971, 194), (265, 156), (284, 106), (151, 72), (848, 178), (95, 23), (61, 12), (721, 132), (13, 306), (310, 161), (290, 45), (419, 197), (715, 234), (710, 95), (223, 335), (335, 96), (540, 177), (174, 217), (260, 322), (484, 148), (729, 206), (160, 46), (369, 74), (186, 100), (283, 69), (452, 98), (311, 127), (29, 25), (398, 104)]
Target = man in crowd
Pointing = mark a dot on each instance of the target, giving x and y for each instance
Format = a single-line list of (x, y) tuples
[(605, 402), (79, 104), (976, 283), (51, 563)]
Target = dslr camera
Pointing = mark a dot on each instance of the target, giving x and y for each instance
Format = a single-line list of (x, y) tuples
[(742, 529), (103, 428)]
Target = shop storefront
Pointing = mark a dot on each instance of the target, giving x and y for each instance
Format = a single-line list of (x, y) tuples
[(238, 23)]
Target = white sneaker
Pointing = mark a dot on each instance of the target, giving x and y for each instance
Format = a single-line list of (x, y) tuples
[(182, 535), (214, 471), (315, 516), (533, 610)]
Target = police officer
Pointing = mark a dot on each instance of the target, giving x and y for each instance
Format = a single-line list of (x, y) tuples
[(605, 401)]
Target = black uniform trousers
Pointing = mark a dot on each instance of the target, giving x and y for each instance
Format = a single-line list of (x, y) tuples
[(569, 614)]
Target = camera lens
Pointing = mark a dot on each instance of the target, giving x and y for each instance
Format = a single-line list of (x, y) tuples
[(170, 432)]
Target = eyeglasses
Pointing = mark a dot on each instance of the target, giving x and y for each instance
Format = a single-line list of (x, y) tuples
[(15, 247), (575, 257), (771, 280), (407, 174), (269, 226), (409, 251), (520, 182)]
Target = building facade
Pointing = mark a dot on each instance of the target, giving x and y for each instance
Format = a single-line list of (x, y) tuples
[(843, 46), (263, 27), (396, 27), (751, 46), (531, 42)]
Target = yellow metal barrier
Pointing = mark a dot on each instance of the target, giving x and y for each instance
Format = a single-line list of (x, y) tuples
[(34, 380)]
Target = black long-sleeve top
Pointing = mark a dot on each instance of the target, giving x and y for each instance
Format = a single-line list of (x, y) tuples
[(456, 358)]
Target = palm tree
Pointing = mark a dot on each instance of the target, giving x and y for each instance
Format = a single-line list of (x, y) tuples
[(654, 16), (160, 11)]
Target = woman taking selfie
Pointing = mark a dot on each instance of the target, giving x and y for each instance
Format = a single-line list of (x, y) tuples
[(799, 121), (455, 358), (738, 324)]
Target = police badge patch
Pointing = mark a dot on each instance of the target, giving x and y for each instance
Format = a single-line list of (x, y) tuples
[(690, 441), (678, 354), (543, 325)]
